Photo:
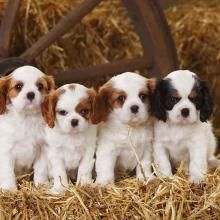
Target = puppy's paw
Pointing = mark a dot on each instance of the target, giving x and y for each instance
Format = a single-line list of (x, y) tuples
[(57, 190), (84, 180), (197, 179), (147, 177), (41, 181)]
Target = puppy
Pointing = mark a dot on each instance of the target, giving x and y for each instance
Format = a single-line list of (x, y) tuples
[(125, 103), (183, 104), (21, 124), (70, 113)]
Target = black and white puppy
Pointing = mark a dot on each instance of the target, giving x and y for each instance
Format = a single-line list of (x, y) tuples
[(183, 104)]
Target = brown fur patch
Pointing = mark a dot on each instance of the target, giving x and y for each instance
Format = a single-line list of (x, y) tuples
[(71, 86), (50, 82), (193, 94), (4, 86), (12, 91), (151, 84), (84, 108), (42, 86), (48, 107), (175, 94), (114, 101)]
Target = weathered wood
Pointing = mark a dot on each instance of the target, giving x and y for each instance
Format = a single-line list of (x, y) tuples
[(154, 33), (112, 68), (6, 26), (69, 21), (7, 65)]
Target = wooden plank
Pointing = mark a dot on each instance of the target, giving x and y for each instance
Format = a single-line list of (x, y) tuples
[(6, 26), (68, 22), (154, 33), (112, 68)]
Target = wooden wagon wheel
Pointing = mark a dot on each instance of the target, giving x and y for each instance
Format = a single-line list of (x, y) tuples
[(159, 51)]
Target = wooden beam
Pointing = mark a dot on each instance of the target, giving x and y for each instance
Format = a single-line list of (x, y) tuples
[(6, 26), (68, 22), (101, 70)]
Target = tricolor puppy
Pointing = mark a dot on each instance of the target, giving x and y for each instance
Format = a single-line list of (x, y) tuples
[(21, 124), (71, 134), (183, 104), (125, 103)]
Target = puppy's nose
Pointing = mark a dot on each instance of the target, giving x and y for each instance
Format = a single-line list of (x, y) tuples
[(74, 122), (30, 95), (185, 112), (134, 109)]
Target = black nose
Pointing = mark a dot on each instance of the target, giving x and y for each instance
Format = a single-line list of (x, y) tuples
[(74, 122), (30, 95), (185, 112), (134, 109)]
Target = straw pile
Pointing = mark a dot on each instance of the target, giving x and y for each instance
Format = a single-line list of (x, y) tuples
[(105, 35)]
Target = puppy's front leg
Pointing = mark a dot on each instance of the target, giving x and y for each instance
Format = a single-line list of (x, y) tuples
[(41, 168), (59, 175), (198, 161), (105, 165), (161, 159), (145, 161), (7, 175), (84, 175)]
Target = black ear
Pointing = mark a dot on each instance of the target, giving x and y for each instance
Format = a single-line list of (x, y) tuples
[(207, 103), (157, 101)]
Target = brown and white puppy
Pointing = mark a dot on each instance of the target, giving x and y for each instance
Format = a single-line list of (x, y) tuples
[(71, 134), (125, 105), (21, 124)]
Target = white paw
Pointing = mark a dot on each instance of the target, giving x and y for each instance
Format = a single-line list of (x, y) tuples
[(147, 177), (196, 179), (103, 182), (57, 189), (40, 181), (84, 180)]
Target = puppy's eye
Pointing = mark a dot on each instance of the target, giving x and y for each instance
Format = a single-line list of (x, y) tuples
[(143, 97), (40, 87), (194, 99), (19, 87), (63, 112), (84, 111), (121, 98), (173, 100)]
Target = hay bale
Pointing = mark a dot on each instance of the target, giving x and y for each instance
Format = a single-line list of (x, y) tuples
[(195, 26), (128, 199)]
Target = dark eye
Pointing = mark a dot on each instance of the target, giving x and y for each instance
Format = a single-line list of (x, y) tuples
[(84, 111), (40, 87), (193, 99), (19, 87), (142, 96), (121, 98), (173, 100), (63, 112)]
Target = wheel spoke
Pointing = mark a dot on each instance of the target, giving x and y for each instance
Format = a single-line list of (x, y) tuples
[(69, 21), (154, 33), (102, 70), (6, 26)]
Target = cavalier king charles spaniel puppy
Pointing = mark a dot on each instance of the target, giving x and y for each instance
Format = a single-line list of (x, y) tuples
[(70, 114), (21, 124), (182, 104), (125, 103)]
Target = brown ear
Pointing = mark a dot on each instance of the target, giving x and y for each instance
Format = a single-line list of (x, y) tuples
[(151, 84), (50, 82), (48, 109), (3, 93), (100, 104)]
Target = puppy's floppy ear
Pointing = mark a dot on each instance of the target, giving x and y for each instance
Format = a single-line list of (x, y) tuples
[(50, 82), (4, 81), (101, 106), (207, 103), (48, 109), (157, 100)]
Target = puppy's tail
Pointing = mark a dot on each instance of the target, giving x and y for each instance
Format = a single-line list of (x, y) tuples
[(213, 162)]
